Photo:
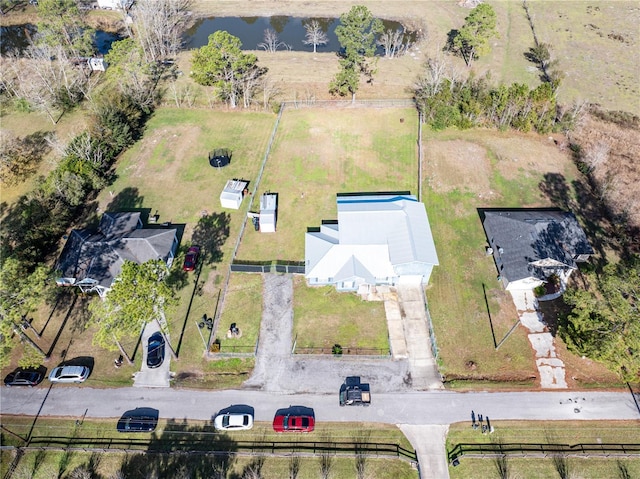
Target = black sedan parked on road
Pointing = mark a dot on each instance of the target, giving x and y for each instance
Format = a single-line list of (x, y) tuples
[(24, 377), (143, 419), (155, 350)]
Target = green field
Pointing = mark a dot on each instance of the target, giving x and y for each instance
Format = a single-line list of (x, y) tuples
[(555, 432), (191, 437)]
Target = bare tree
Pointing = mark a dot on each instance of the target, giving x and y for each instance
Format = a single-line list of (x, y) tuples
[(314, 36), (294, 467), (46, 78), (597, 155), (270, 90), (271, 41), (325, 459), (393, 43), (159, 25), (360, 439)]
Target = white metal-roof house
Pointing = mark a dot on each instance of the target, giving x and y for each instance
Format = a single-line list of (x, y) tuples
[(529, 245), (268, 212), (232, 194), (377, 239), (92, 260)]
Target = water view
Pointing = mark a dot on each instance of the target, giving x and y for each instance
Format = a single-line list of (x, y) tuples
[(18, 37), (290, 31)]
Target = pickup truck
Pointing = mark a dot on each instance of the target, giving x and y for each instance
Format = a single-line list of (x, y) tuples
[(353, 392)]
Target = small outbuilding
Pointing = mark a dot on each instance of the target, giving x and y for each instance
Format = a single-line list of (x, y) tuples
[(97, 64), (268, 212), (232, 194)]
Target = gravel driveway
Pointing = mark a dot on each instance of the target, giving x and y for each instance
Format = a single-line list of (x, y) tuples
[(277, 370)]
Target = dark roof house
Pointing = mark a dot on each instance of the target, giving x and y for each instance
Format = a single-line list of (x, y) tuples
[(529, 246), (92, 260)]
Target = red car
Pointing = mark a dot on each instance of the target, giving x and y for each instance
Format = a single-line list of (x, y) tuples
[(191, 260), (293, 423)]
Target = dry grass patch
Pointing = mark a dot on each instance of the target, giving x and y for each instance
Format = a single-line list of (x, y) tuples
[(596, 44), (460, 165)]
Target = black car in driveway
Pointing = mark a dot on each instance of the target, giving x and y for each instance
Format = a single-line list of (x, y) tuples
[(144, 419), (24, 377), (155, 350)]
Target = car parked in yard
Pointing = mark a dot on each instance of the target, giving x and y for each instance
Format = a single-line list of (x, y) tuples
[(155, 350), (287, 421), (191, 259), (233, 421), (24, 377), (138, 420), (69, 374)]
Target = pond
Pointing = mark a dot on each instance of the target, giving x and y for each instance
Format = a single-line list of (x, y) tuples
[(19, 37), (290, 30)]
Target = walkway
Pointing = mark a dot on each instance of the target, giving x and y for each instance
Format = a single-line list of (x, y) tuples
[(550, 366), (409, 334)]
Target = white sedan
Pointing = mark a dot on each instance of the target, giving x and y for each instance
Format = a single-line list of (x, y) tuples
[(233, 421)]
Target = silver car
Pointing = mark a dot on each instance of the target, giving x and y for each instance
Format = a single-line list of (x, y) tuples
[(69, 374)]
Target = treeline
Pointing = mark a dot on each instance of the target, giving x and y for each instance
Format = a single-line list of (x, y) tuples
[(33, 225), (474, 102)]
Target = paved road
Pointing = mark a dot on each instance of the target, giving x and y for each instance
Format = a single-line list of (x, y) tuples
[(429, 407)]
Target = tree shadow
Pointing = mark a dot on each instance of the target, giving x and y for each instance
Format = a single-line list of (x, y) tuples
[(183, 451), (33, 226), (449, 45), (210, 234), (555, 187), (579, 198), (128, 199), (60, 298), (61, 328)]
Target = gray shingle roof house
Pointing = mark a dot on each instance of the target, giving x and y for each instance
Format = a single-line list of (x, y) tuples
[(92, 259), (529, 246), (378, 239)]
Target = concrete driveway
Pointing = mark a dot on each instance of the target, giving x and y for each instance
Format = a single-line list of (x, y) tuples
[(156, 377)]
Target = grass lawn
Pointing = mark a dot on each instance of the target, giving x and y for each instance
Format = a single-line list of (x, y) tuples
[(558, 432), (320, 152), (323, 317), (243, 306), (464, 171), (170, 433)]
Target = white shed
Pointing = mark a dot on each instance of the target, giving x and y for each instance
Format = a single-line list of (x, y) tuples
[(268, 212), (231, 196), (97, 64)]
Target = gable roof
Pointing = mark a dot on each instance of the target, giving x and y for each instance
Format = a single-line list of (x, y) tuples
[(524, 242), (374, 234), (98, 255)]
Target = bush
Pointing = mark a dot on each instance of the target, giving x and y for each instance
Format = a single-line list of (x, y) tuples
[(539, 291)]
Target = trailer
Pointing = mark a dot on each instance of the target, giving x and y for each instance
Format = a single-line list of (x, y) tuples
[(353, 392)]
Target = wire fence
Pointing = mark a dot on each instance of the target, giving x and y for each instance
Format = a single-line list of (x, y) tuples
[(380, 103), (373, 352)]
